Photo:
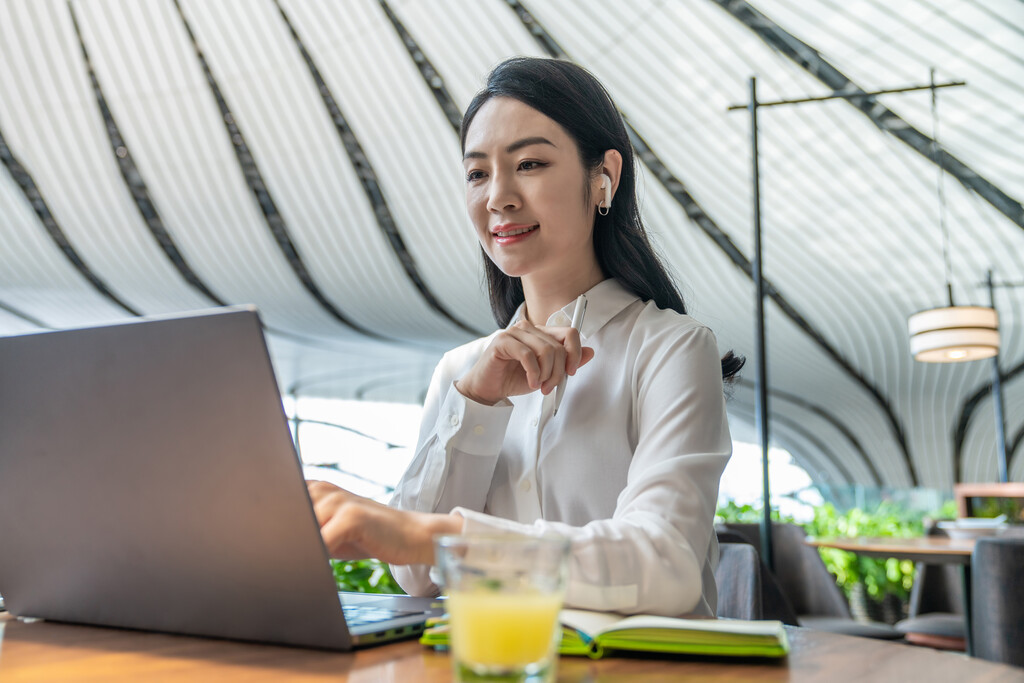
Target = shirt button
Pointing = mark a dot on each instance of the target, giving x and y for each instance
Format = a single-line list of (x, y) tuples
[(534, 422), (478, 430), (454, 420), (525, 486)]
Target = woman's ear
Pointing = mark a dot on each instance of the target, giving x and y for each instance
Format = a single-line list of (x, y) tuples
[(612, 167)]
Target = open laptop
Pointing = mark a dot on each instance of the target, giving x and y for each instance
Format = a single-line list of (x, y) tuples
[(148, 480)]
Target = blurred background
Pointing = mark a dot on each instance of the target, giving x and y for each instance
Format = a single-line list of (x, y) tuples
[(302, 155)]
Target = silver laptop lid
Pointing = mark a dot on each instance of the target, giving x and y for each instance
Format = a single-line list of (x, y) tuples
[(148, 480)]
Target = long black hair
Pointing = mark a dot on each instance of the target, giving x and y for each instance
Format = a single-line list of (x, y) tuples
[(573, 98)]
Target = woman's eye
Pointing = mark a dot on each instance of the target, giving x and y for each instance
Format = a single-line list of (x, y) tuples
[(530, 165), (474, 175)]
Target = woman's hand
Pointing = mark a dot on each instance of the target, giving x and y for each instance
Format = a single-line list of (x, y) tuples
[(524, 358), (354, 527)]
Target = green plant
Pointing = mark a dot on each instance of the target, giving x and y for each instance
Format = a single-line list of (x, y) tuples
[(1013, 508), (879, 576), (364, 576), (733, 512)]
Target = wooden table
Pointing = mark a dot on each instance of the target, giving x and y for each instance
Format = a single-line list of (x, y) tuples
[(927, 549), (42, 651)]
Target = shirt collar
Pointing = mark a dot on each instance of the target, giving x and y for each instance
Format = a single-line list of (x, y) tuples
[(605, 300)]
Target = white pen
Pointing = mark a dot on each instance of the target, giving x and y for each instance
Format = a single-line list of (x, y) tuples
[(577, 320)]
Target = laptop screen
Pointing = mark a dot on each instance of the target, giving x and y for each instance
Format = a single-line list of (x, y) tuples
[(148, 480)]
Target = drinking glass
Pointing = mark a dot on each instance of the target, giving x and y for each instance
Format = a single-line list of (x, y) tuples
[(504, 596)]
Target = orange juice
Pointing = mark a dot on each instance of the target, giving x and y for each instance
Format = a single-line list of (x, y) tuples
[(498, 630)]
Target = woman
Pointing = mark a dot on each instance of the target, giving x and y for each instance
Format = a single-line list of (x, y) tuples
[(629, 466)]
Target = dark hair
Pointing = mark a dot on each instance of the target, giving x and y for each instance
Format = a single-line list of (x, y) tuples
[(573, 98)]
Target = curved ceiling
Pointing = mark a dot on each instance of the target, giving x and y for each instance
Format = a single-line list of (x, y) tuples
[(166, 155)]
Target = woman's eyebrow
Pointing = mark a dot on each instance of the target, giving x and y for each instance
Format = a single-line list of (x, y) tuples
[(515, 146)]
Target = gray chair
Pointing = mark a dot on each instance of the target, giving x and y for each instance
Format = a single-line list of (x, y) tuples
[(774, 604), (997, 600), (808, 586), (936, 613), (738, 576)]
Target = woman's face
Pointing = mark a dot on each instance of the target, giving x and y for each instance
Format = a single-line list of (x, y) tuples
[(525, 192)]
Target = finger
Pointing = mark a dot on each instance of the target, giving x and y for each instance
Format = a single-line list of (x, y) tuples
[(551, 355), (340, 536), (573, 351), (537, 353), (319, 489), (323, 512), (569, 338), (558, 362), (511, 347)]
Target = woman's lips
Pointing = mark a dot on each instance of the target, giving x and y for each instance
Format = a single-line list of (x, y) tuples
[(509, 233)]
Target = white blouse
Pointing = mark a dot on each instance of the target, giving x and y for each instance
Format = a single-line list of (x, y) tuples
[(628, 470)]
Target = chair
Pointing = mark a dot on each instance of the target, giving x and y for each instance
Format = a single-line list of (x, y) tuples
[(774, 604), (808, 586), (997, 600), (738, 576), (936, 614)]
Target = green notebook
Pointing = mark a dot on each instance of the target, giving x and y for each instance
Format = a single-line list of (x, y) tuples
[(593, 634)]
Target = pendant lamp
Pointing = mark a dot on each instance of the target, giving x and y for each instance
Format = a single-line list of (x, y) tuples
[(951, 334)]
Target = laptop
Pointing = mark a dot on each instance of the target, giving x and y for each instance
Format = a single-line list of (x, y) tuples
[(148, 480)]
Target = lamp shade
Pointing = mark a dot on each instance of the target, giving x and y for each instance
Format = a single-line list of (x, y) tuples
[(953, 334)]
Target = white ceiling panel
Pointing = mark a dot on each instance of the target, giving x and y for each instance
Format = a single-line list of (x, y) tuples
[(53, 126), (851, 220)]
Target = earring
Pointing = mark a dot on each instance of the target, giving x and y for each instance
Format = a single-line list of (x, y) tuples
[(606, 204)]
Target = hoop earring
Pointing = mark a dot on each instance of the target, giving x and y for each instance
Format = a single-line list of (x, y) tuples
[(602, 209)]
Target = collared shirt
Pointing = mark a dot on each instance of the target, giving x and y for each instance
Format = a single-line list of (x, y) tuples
[(628, 470)]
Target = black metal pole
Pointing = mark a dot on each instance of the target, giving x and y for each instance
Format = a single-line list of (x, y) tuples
[(997, 396), (296, 423), (851, 95), (761, 395)]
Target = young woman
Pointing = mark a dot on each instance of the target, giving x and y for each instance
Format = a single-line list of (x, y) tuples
[(629, 467)]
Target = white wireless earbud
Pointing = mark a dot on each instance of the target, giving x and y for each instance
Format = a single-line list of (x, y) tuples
[(606, 184)]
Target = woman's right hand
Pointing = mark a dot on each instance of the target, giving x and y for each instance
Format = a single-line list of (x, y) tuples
[(523, 358)]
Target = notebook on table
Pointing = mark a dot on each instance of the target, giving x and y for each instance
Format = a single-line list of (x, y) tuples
[(148, 480)]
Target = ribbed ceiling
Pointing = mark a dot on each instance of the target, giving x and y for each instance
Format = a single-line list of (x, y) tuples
[(302, 155)]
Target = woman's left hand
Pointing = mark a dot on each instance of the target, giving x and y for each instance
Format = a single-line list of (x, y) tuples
[(354, 527)]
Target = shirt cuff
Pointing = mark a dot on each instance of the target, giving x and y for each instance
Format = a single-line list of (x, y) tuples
[(472, 427)]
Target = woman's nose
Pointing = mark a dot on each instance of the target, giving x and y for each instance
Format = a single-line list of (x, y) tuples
[(503, 196)]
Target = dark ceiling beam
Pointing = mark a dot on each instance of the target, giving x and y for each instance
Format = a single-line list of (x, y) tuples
[(371, 184), (1015, 444), (828, 417), (967, 412), (350, 430), (24, 180), (363, 390), (430, 75), (132, 176), (811, 462), (818, 443), (699, 216), (254, 180), (885, 119), (32, 320)]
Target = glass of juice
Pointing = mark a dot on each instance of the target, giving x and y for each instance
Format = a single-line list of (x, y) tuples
[(504, 595)]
